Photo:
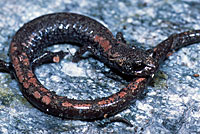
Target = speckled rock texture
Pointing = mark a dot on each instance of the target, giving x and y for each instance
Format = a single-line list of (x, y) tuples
[(170, 104)]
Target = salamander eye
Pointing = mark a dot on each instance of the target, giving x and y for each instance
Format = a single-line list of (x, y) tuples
[(134, 68), (138, 67)]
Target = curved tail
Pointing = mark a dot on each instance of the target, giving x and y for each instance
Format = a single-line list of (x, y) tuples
[(175, 42)]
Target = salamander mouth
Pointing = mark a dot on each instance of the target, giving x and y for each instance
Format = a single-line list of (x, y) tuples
[(144, 70)]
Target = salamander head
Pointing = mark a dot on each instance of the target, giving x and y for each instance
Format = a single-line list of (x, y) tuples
[(136, 62), (146, 66)]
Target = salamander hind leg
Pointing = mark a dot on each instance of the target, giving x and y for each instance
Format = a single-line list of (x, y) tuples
[(5, 66)]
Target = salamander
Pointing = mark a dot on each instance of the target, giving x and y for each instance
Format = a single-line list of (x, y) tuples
[(27, 51)]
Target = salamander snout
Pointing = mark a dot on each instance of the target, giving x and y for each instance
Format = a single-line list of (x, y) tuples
[(147, 67)]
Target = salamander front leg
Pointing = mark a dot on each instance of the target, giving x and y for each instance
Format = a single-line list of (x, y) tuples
[(120, 37), (79, 53), (48, 57)]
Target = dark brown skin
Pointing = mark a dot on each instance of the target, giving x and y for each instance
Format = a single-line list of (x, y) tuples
[(27, 51)]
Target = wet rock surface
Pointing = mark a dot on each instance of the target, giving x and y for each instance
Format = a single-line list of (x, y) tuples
[(171, 104)]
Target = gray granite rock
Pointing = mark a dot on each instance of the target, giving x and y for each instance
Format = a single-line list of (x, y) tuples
[(171, 104)]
